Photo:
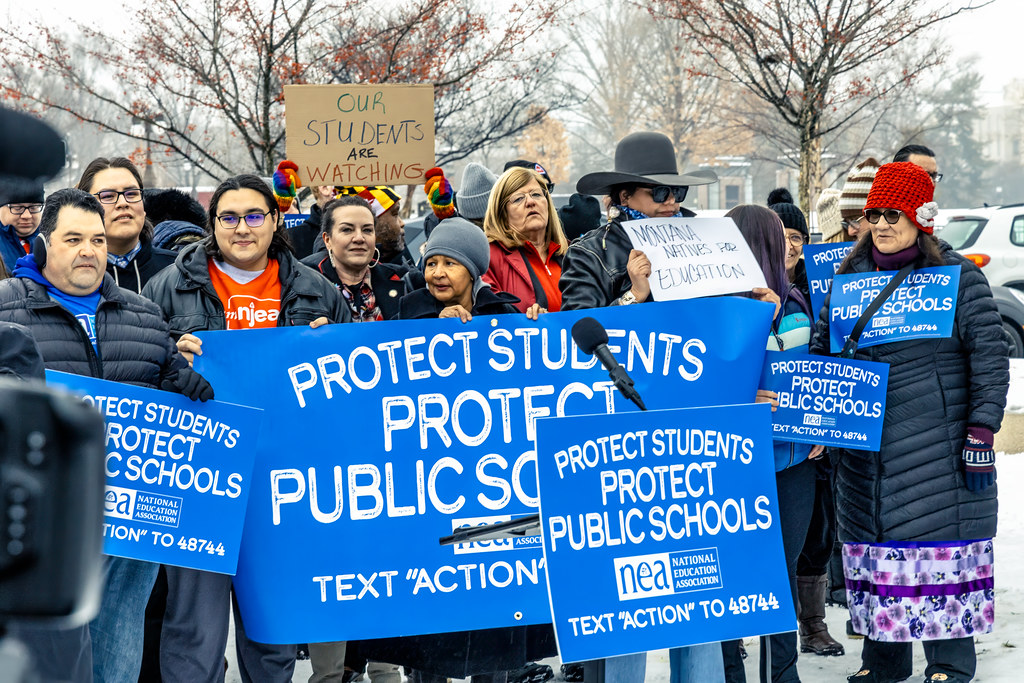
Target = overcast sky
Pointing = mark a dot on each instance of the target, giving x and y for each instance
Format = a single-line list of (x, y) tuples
[(992, 33)]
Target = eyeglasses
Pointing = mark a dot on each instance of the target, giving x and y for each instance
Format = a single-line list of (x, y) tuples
[(661, 193), (855, 223), (132, 195), (18, 209), (936, 177), (518, 199), (892, 216), (253, 220), (796, 239)]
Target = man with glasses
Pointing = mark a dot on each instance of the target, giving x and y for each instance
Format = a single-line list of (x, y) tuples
[(19, 223), (919, 155), (855, 195)]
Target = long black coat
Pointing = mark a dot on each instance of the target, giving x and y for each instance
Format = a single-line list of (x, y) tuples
[(134, 344), (913, 488), (189, 302)]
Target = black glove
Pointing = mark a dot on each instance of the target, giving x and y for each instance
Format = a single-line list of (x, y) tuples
[(189, 383)]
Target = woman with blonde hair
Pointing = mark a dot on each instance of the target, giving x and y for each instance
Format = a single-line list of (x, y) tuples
[(526, 240)]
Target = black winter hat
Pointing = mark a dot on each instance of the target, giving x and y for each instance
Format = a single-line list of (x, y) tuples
[(27, 193), (792, 217), (581, 215), (172, 205)]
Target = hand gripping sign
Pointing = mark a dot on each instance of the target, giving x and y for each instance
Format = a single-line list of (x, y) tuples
[(385, 437), (661, 529), (178, 473)]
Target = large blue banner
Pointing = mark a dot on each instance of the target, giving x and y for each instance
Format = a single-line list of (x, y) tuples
[(821, 262), (661, 529), (386, 436), (827, 401), (178, 473), (922, 307)]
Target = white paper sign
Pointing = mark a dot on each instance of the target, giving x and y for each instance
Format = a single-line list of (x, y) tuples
[(694, 257)]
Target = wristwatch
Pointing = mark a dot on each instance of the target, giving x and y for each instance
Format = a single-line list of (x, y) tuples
[(627, 298)]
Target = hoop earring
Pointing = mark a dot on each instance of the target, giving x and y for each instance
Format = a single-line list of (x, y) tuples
[(376, 258)]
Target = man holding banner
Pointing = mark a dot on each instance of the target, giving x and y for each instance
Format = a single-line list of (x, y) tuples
[(85, 324), (927, 497)]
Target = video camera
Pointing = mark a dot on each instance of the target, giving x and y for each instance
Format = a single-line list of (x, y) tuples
[(52, 475)]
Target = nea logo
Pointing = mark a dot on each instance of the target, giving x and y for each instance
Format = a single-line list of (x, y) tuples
[(119, 502), (643, 576), (812, 419)]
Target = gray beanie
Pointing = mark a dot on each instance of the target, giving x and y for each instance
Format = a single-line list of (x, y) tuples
[(458, 238), (475, 188)]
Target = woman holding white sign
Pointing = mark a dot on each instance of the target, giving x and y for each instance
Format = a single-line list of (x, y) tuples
[(602, 268), (917, 517)]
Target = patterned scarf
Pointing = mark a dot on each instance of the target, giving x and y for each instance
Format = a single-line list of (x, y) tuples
[(634, 215), (362, 301)]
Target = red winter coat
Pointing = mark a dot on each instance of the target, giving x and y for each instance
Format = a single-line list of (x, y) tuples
[(508, 273)]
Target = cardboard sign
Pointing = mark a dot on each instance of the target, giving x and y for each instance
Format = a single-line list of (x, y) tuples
[(922, 307), (178, 473), (827, 401), (360, 134), (695, 257), (661, 529), (390, 435), (821, 262)]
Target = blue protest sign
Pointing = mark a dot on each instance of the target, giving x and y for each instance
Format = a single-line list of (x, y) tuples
[(386, 436), (661, 529), (178, 473), (922, 307), (827, 401), (293, 219), (821, 262)]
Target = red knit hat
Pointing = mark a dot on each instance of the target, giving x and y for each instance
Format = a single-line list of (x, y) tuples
[(907, 187)]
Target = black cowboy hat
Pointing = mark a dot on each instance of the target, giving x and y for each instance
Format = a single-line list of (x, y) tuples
[(647, 159)]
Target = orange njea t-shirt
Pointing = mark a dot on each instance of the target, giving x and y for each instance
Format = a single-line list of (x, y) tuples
[(252, 305)]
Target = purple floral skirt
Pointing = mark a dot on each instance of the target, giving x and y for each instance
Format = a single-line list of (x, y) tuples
[(901, 591)]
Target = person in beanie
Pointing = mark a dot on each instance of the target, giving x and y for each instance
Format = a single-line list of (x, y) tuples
[(854, 194), (527, 243), (830, 221), (455, 258), (917, 517), (581, 215), (475, 188), (797, 235), (19, 224)]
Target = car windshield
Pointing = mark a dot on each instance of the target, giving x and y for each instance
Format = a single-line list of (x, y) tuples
[(962, 231)]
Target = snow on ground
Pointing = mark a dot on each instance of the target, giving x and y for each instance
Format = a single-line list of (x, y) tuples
[(1000, 654)]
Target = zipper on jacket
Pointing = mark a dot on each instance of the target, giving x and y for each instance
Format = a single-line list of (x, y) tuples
[(95, 363)]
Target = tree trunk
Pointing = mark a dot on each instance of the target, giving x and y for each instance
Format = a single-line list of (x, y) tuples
[(810, 166)]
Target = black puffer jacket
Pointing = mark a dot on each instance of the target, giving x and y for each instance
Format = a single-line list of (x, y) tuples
[(190, 303), (913, 488), (134, 344), (594, 269), (306, 234)]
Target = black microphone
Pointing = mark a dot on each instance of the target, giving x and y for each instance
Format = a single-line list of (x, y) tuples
[(592, 338)]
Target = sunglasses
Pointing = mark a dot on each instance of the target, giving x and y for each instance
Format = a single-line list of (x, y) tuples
[(892, 216), (661, 193)]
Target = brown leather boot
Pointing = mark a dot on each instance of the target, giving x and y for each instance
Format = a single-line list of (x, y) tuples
[(814, 635)]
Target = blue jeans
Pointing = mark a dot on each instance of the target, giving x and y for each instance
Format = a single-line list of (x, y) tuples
[(117, 630), (624, 669), (696, 664)]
